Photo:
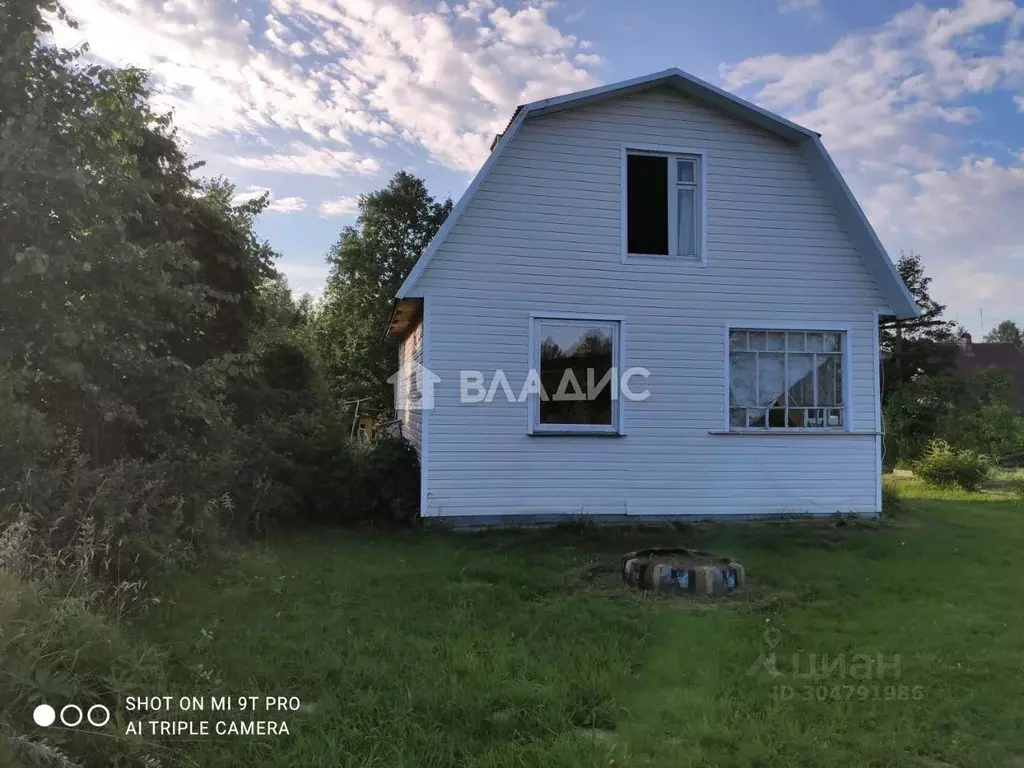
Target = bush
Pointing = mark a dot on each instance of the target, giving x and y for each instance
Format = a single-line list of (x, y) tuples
[(391, 482), (970, 413), (946, 466), (321, 477)]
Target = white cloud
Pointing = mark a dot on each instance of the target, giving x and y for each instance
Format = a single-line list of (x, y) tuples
[(287, 205), (326, 73), (277, 205), (792, 6), (889, 102), (529, 28), (588, 59), (880, 89), (311, 161), (250, 193), (340, 207)]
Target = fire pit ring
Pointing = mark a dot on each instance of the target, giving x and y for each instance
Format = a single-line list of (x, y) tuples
[(680, 571)]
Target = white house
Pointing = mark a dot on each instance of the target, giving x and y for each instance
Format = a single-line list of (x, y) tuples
[(664, 225)]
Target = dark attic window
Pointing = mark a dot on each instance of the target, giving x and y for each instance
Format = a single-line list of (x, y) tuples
[(647, 204)]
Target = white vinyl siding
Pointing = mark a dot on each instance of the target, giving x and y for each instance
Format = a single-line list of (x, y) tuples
[(544, 234)]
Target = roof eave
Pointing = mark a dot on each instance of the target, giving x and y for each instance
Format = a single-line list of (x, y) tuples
[(859, 229), (406, 290)]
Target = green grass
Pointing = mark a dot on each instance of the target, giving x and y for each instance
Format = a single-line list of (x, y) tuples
[(523, 649)]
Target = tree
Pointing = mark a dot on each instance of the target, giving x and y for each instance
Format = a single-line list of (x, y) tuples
[(919, 346), (367, 266), (1007, 332), (120, 277)]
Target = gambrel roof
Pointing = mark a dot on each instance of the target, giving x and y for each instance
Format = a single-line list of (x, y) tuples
[(808, 143)]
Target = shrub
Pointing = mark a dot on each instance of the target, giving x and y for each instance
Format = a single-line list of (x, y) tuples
[(391, 481), (946, 466), (320, 476), (970, 413), (104, 529)]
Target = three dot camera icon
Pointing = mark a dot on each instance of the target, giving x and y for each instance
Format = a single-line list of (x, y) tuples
[(71, 716)]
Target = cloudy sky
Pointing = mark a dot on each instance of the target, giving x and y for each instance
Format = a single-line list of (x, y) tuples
[(319, 100)]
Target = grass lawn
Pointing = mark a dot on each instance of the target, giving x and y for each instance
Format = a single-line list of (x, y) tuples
[(523, 649)]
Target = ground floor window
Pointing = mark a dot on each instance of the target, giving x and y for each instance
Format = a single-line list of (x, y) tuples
[(575, 362), (785, 379)]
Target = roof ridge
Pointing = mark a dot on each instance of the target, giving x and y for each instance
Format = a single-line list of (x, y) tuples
[(859, 229)]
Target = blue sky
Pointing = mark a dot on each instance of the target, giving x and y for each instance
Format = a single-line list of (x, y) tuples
[(317, 101)]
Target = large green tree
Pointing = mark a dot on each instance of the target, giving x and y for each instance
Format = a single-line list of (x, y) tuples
[(367, 266), (1007, 332), (120, 277), (920, 346)]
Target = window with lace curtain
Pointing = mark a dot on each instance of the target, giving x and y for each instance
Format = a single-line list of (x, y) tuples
[(782, 379)]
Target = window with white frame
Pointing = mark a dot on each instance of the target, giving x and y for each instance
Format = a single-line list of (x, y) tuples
[(576, 362), (780, 379), (664, 204)]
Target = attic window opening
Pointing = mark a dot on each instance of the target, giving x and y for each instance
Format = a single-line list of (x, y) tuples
[(647, 204), (664, 201)]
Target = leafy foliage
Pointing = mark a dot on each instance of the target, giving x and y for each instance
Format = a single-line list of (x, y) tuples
[(968, 412), (150, 348), (947, 467), (160, 388), (921, 346), (368, 264), (326, 479), (124, 282), (1007, 332), (923, 398)]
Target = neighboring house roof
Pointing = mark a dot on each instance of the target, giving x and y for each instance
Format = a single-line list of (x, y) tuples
[(1007, 358), (810, 146)]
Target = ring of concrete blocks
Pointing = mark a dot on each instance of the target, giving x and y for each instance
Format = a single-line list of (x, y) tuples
[(664, 569)]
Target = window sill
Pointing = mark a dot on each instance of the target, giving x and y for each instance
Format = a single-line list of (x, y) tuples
[(574, 433), (790, 433), (655, 258)]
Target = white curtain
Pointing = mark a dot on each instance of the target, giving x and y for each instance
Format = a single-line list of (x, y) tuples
[(765, 373), (687, 221)]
